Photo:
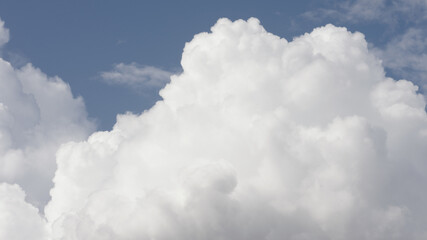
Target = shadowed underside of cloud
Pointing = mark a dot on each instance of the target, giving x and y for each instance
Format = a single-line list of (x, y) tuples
[(257, 138)]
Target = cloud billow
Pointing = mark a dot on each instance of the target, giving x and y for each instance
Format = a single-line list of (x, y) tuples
[(257, 138)]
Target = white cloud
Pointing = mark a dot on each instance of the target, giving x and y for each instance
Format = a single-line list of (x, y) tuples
[(37, 114), (257, 138), (137, 77)]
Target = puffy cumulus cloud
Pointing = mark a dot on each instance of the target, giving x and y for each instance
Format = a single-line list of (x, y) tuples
[(257, 138), (37, 114), (136, 76), (18, 219)]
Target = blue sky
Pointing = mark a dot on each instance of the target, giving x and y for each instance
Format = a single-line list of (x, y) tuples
[(77, 40)]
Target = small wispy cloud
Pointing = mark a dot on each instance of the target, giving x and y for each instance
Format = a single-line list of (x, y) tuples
[(136, 76), (4, 34), (120, 42), (406, 55), (384, 11)]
